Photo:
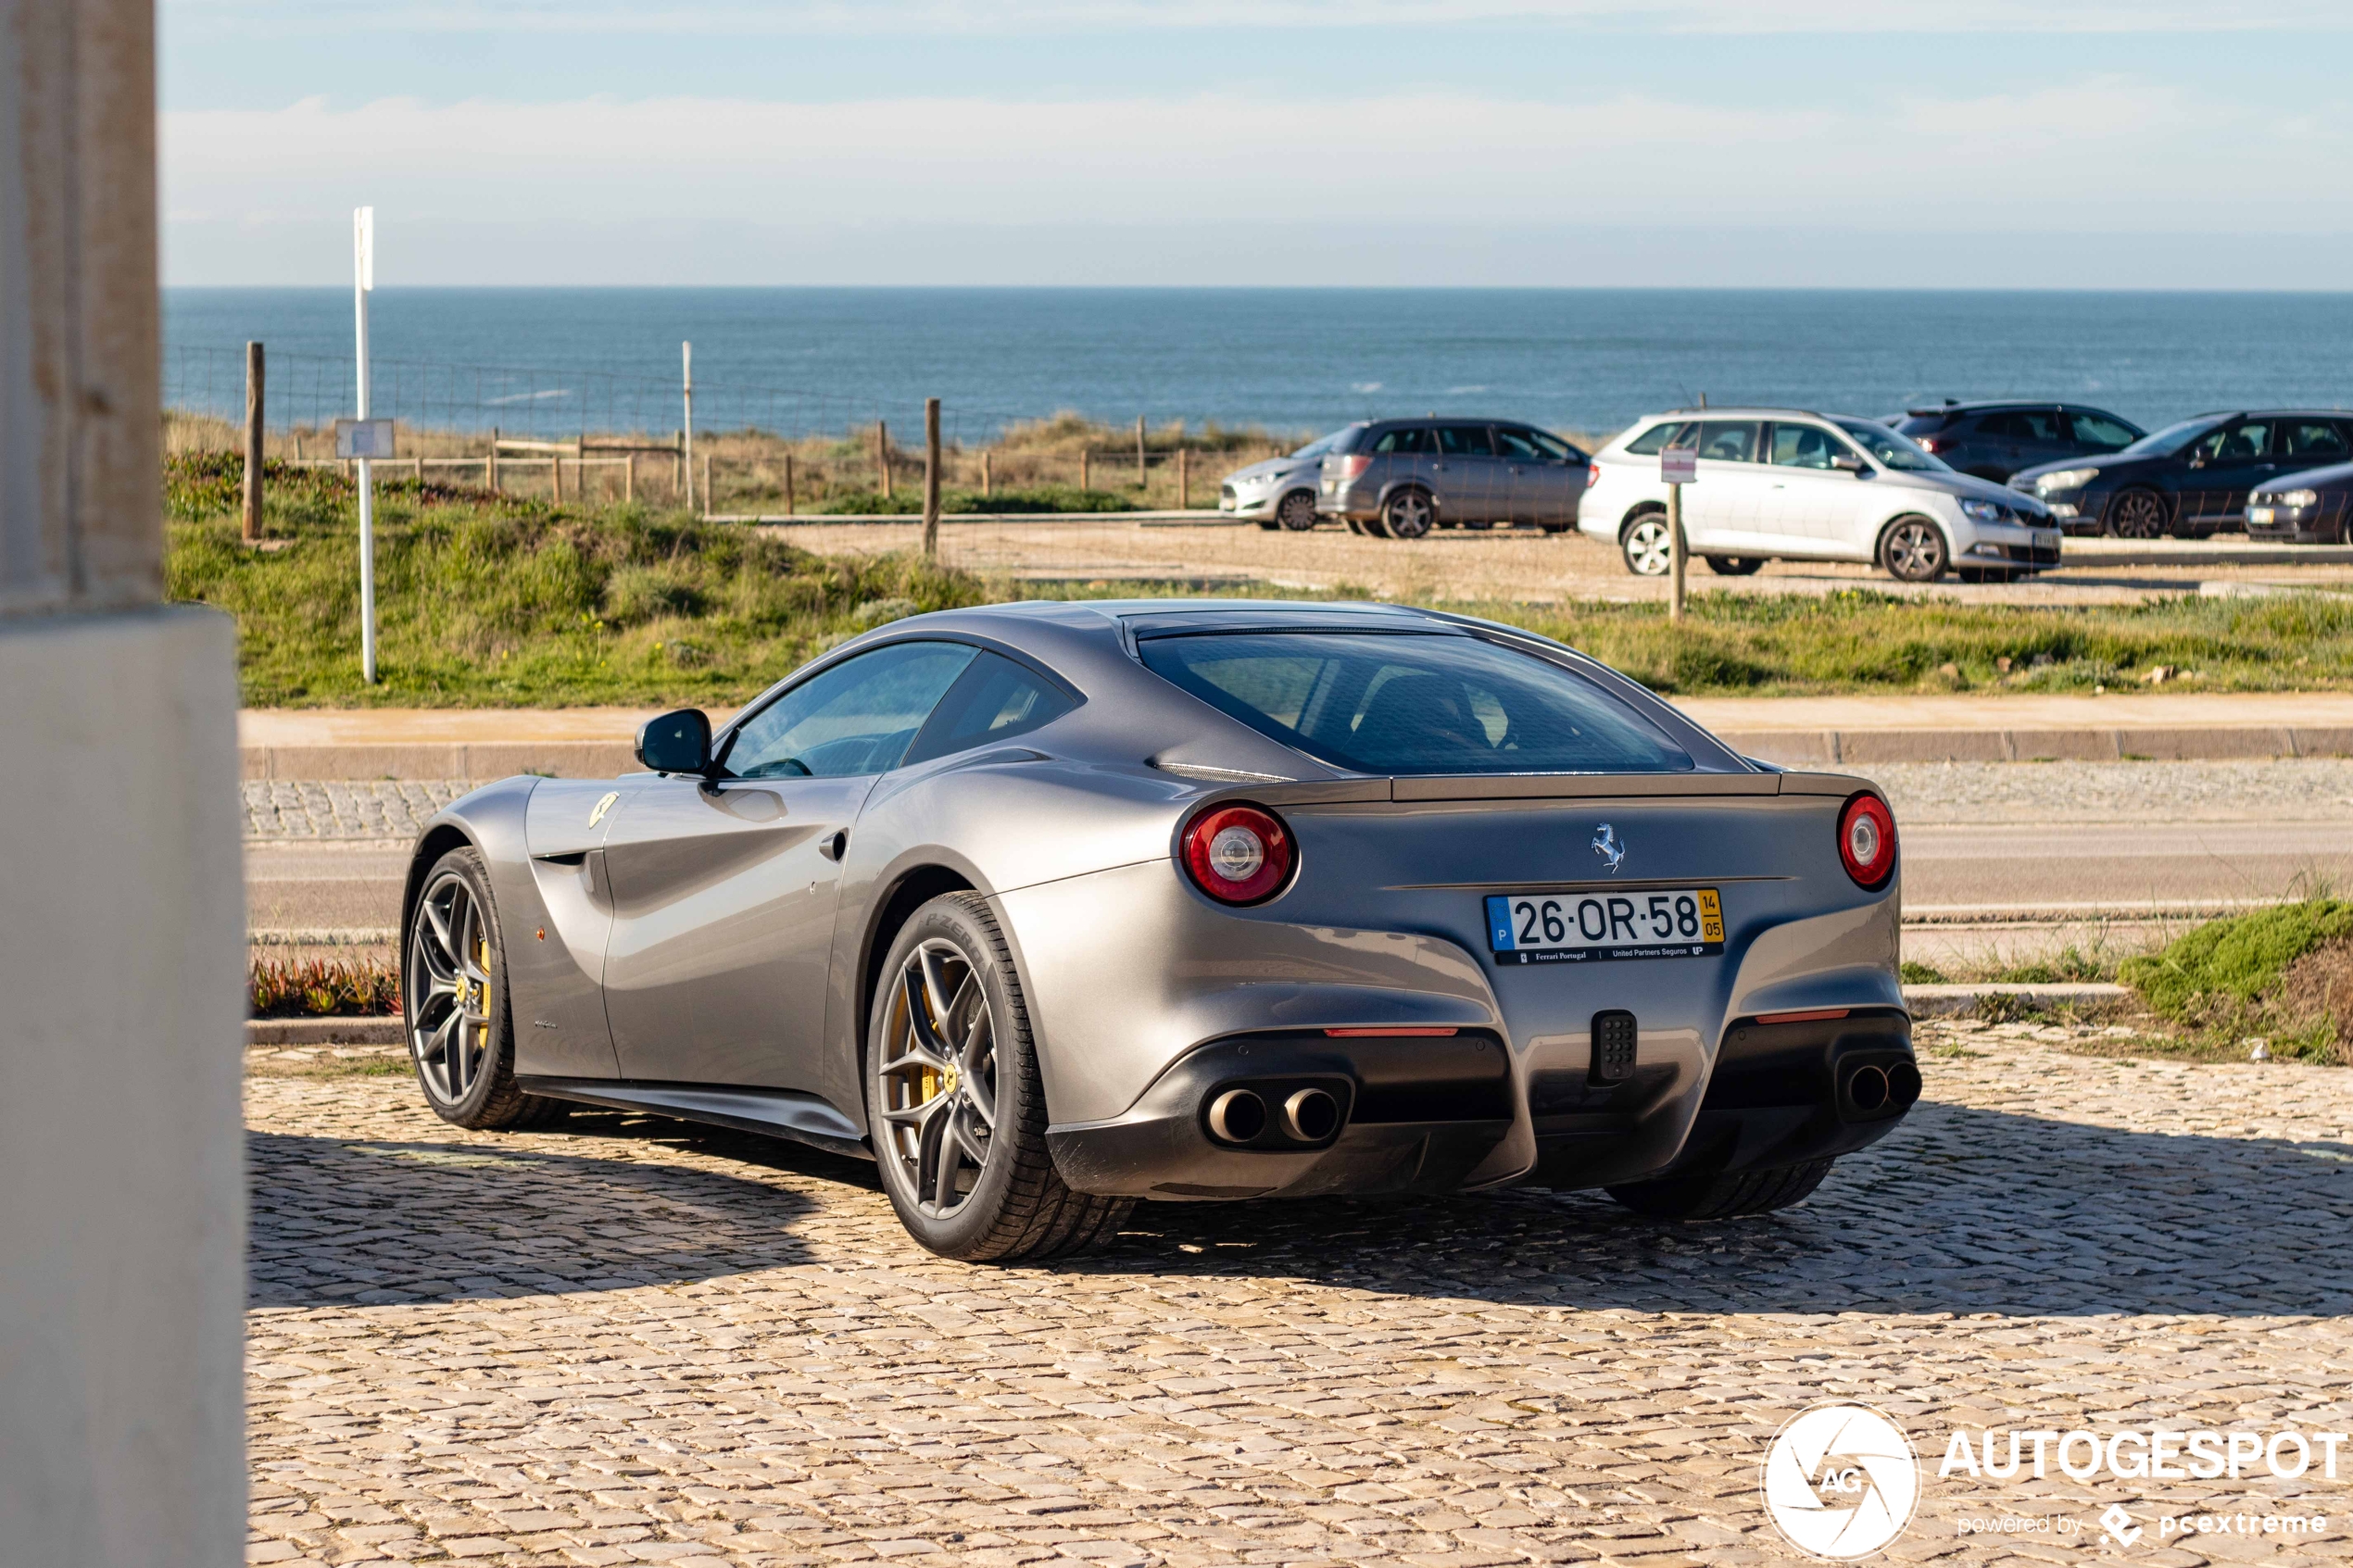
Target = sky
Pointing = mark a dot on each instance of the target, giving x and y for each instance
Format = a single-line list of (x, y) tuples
[(2060, 143)]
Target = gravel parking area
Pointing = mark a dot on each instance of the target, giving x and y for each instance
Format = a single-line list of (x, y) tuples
[(625, 1340)]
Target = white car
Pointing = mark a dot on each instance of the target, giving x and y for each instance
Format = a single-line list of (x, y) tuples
[(1280, 492), (1785, 483)]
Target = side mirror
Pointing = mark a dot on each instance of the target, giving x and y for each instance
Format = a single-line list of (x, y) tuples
[(1849, 461), (676, 743)]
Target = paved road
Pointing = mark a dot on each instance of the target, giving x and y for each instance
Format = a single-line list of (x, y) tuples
[(623, 1340)]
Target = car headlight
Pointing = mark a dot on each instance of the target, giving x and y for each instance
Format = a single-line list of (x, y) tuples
[(2292, 497), (1983, 511), (2066, 479)]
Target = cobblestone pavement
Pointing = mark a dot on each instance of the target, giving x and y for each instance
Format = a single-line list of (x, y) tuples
[(345, 809), (629, 1341), (2306, 789)]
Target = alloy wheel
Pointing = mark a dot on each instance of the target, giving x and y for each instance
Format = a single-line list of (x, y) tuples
[(937, 1071), (1650, 547), (1916, 551), (2139, 515), (1408, 515), (449, 1000)]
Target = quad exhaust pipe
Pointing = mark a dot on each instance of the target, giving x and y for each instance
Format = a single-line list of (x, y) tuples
[(1274, 1115), (1311, 1115), (1238, 1116), (1879, 1088)]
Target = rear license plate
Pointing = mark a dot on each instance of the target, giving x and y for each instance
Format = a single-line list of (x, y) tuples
[(2258, 514), (1684, 922)]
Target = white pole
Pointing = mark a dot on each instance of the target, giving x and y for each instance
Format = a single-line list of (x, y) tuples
[(363, 238), (687, 357)]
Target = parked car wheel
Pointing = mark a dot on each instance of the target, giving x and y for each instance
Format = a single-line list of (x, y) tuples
[(453, 996), (1735, 566), (1711, 1197), (1913, 550), (1408, 515), (1648, 545), (1297, 511), (955, 1103), (2139, 514)]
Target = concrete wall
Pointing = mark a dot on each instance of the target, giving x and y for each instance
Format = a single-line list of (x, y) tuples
[(121, 917)]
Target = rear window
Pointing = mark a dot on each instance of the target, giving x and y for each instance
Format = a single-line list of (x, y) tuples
[(1414, 703)]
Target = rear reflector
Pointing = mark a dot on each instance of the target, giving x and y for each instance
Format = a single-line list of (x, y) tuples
[(1815, 1016), (1399, 1034)]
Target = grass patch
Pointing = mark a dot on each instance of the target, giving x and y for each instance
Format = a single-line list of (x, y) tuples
[(2280, 975), (501, 601)]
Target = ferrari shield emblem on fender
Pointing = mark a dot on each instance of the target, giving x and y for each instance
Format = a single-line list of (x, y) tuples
[(605, 805)]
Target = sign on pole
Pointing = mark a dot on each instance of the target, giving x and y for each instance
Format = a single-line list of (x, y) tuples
[(364, 280), (363, 438), (1678, 466)]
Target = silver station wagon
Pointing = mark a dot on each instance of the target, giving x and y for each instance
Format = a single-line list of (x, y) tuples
[(1398, 479), (1051, 908)]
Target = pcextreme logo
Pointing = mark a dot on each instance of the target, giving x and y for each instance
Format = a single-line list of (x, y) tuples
[(1841, 1481)]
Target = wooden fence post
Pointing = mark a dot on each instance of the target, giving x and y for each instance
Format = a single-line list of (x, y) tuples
[(556, 477), (882, 456), (707, 507), (493, 464), (1086, 475), (1139, 451), (931, 479), (987, 485), (1184, 479), (629, 478), (788, 484), (253, 443)]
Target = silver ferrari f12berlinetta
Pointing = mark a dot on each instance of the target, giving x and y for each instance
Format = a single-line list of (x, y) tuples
[(1048, 907)]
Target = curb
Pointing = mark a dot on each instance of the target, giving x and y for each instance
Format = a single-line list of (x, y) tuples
[(322, 1032), (1946, 1001)]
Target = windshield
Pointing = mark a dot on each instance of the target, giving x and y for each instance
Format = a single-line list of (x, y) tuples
[(1892, 450), (1408, 703), (2171, 439), (1321, 444)]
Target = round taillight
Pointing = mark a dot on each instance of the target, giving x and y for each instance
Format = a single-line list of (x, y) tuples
[(1238, 854), (1867, 841)]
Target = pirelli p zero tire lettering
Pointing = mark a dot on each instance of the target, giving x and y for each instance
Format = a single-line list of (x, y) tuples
[(956, 1109)]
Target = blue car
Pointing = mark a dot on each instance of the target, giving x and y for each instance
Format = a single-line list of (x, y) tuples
[(2191, 479)]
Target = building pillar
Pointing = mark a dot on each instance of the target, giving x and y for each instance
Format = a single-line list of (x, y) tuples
[(121, 917)]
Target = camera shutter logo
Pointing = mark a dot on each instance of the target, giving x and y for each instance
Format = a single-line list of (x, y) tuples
[(1841, 1481)]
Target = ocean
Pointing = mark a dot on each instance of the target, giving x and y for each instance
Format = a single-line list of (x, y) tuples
[(1587, 361)]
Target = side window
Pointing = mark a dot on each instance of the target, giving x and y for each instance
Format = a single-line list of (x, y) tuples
[(1654, 441), (2006, 425), (1468, 441), (2312, 438), (2240, 442), (1403, 443), (1728, 441), (994, 699), (856, 718), (1804, 446), (2100, 433), (1517, 446)]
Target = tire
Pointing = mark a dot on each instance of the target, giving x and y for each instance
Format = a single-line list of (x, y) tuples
[(1735, 566), (1408, 514), (954, 1102), (453, 1001), (1647, 546), (2139, 514), (1355, 526), (1296, 511), (1914, 550), (1708, 1196)]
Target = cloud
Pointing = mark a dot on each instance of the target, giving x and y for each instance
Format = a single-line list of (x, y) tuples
[(708, 190)]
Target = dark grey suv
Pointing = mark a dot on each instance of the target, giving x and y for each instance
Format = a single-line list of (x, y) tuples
[(1994, 440), (1398, 479)]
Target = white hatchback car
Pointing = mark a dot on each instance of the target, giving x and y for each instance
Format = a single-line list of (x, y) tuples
[(1787, 484)]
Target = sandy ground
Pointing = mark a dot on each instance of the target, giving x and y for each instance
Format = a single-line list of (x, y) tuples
[(1505, 565)]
